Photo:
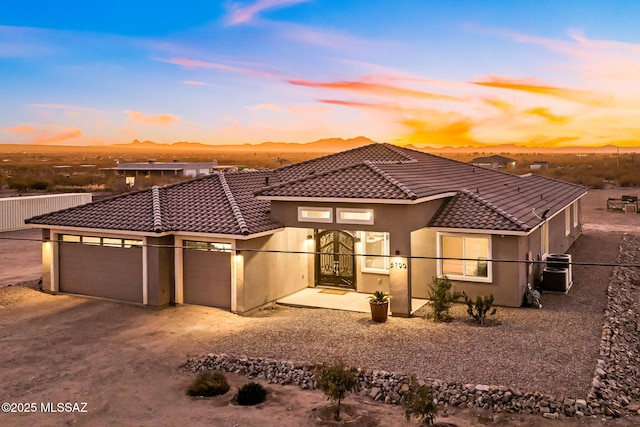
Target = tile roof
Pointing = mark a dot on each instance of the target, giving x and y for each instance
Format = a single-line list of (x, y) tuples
[(217, 203), (383, 171), (484, 199)]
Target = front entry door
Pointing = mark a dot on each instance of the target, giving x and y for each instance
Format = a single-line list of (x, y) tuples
[(335, 263)]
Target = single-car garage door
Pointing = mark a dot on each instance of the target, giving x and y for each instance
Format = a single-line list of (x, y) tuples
[(101, 271), (207, 274)]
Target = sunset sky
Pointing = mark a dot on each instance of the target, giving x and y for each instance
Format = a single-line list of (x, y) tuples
[(428, 73)]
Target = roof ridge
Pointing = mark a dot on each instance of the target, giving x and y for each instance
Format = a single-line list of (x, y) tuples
[(496, 209), (399, 151), (391, 179), (157, 212), (234, 205)]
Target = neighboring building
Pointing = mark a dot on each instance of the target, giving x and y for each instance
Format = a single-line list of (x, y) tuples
[(538, 165), (494, 162), (175, 168), (378, 217), (15, 210)]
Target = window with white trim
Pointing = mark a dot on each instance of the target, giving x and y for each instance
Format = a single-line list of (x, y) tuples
[(314, 214), (375, 243), (567, 221), (111, 242), (575, 214), (354, 216), (465, 257)]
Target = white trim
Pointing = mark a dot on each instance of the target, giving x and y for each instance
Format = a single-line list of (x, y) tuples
[(118, 233), (567, 221), (488, 279), (350, 200), (478, 231), (544, 240), (363, 245), (576, 218), (145, 272), (340, 220), (303, 216), (234, 259)]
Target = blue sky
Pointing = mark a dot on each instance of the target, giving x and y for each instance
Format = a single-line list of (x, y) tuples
[(429, 73)]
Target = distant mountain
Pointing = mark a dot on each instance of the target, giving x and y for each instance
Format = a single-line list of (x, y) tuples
[(329, 145)]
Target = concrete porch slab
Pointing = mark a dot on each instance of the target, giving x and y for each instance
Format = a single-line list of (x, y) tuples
[(345, 300)]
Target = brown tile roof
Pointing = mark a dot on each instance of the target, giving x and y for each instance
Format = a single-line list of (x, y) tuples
[(382, 171), (217, 203), (485, 199)]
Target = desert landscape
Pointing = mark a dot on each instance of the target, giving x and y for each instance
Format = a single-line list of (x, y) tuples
[(128, 363)]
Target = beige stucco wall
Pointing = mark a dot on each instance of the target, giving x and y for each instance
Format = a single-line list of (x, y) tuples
[(508, 282), (160, 271), (269, 276)]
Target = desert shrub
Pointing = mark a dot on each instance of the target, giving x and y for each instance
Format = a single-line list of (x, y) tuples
[(39, 185), (209, 383), (442, 298), (480, 308), (335, 380), (418, 401), (251, 394)]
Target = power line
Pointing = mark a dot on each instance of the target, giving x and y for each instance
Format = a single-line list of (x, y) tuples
[(291, 252)]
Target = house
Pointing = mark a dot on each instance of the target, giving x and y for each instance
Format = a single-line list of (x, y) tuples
[(175, 168), (494, 162), (539, 165), (377, 217)]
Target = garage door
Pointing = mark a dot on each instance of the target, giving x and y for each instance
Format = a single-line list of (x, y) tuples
[(101, 271), (207, 275)]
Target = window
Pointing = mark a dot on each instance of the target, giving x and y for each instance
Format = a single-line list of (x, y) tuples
[(354, 216), (207, 246), (70, 238), (88, 240), (567, 221), (465, 257), (102, 241), (575, 214), (115, 243), (129, 243), (375, 243), (307, 214)]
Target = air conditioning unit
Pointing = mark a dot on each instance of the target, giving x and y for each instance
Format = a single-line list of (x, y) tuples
[(630, 208), (556, 279)]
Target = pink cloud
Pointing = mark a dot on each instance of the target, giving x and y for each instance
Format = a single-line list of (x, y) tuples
[(240, 15), (20, 129), (191, 82), (158, 119), (194, 63), (43, 136)]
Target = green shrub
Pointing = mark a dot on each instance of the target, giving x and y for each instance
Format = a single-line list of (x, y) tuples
[(418, 401), (335, 380), (209, 383), (251, 394), (442, 298), (480, 308)]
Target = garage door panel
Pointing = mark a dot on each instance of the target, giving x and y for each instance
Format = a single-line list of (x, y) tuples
[(100, 271), (207, 278)]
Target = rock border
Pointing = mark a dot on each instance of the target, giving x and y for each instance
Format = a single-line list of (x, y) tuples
[(615, 388)]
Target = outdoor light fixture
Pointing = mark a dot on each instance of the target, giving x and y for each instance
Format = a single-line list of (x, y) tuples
[(358, 240), (397, 252), (309, 237)]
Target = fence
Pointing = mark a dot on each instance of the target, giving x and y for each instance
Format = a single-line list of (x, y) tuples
[(14, 210)]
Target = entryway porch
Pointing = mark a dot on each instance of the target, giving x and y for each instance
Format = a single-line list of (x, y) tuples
[(337, 299)]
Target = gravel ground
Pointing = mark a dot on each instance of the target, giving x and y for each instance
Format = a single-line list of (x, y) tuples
[(552, 350)]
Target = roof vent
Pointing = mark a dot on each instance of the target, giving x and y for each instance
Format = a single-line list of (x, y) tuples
[(266, 180), (151, 162), (175, 160)]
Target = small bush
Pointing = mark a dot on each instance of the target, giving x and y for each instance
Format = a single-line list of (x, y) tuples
[(209, 383), (251, 394), (418, 401), (480, 308), (39, 185), (335, 380), (442, 298)]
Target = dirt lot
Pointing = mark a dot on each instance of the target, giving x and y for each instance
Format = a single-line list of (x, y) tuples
[(125, 361)]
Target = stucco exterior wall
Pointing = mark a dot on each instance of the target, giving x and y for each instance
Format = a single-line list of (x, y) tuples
[(508, 281), (160, 271), (269, 276)]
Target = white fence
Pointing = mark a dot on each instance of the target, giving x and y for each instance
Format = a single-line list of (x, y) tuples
[(14, 210)]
